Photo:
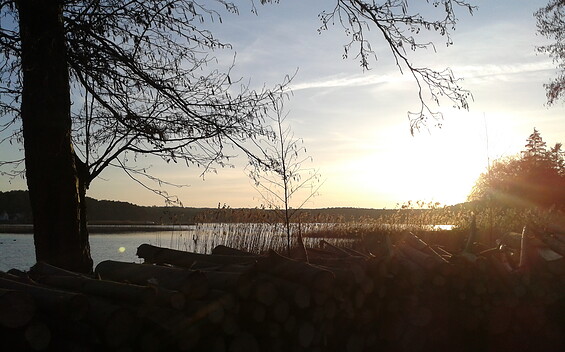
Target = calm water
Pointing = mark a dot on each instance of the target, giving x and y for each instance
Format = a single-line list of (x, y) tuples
[(17, 250)]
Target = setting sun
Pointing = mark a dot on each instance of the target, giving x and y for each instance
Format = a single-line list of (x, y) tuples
[(294, 175)]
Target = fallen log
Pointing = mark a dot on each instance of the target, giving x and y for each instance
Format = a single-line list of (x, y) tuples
[(244, 342), (296, 271), (191, 283), (38, 336), (225, 250), (17, 308), (555, 244), (227, 281), (159, 255), (72, 306), (295, 294), (422, 245), (318, 253), (115, 324), (103, 288), (424, 260), (44, 269), (339, 252)]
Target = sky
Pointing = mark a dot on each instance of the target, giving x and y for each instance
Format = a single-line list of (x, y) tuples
[(354, 123)]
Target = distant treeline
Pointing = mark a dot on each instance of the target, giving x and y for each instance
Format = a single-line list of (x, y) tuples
[(15, 208)]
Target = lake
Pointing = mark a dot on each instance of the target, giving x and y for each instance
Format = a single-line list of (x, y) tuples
[(121, 242), (17, 249)]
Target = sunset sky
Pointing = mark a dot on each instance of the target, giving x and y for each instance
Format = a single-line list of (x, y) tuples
[(354, 123)]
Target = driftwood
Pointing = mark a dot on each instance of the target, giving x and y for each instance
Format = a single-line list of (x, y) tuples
[(103, 288), (225, 250), (116, 324), (191, 283), (296, 271), (159, 255), (410, 296), (60, 303), (555, 244), (44, 269)]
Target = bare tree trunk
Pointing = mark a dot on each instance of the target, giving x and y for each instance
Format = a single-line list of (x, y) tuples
[(50, 160)]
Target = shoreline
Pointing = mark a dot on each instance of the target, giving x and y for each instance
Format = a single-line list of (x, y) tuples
[(97, 228)]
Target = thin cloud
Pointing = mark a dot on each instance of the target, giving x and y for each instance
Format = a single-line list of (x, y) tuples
[(503, 70), (350, 81)]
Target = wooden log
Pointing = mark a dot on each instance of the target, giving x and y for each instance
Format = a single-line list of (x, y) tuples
[(296, 295), (244, 342), (306, 334), (221, 280), (422, 245), (424, 260), (103, 288), (355, 343), (555, 244), (339, 252), (547, 262), (212, 310), (252, 312), (280, 310), (68, 305), (72, 336), (296, 271), (338, 262), (17, 308), (225, 250), (41, 269), (115, 324), (159, 255), (228, 268), (443, 253), (192, 283), (178, 330), (24, 279), (318, 253), (216, 343), (265, 291), (38, 336), (170, 298), (356, 253), (230, 324)]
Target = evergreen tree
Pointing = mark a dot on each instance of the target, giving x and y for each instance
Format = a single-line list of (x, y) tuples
[(535, 146), (535, 178)]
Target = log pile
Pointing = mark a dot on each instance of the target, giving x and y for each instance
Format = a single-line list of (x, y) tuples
[(409, 295)]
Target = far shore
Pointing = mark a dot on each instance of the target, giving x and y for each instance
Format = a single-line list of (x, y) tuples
[(99, 228)]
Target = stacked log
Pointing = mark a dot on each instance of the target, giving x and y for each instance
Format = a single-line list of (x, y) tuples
[(408, 296)]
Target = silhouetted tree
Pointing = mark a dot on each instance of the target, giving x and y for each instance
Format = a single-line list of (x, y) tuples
[(97, 83), (283, 174), (139, 68), (551, 24), (535, 178)]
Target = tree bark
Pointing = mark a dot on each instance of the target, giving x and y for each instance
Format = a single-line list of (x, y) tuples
[(50, 160)]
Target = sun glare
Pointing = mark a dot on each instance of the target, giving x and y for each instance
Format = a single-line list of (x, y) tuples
[(438, 167)]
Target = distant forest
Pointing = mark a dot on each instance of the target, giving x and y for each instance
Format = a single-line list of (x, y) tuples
[(15, 209)]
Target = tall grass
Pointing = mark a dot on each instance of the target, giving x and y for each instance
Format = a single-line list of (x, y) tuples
[(256, 231)]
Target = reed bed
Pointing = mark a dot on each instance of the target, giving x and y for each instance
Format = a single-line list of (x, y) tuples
[(258, 230), (252, 237)]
